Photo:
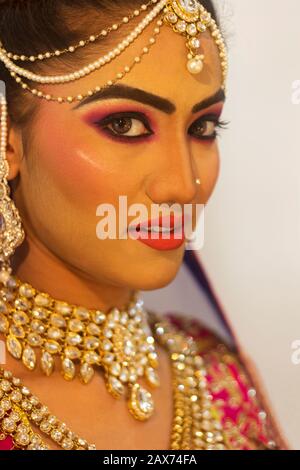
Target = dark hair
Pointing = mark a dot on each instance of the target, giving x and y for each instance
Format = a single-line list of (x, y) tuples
[(30, 27)]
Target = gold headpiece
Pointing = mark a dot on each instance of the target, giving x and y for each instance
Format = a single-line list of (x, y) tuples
[(186, 17)]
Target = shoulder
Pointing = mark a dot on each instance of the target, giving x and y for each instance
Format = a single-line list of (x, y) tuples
[(238, 403)]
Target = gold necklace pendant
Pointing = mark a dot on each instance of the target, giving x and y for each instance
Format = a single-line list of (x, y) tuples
[(127, 352), (39, 328)]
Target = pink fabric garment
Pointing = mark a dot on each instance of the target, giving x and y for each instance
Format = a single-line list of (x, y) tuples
[(203, 278), (235, 395), (6, 444)]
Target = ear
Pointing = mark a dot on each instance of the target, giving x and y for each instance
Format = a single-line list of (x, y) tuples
[(14, 150)]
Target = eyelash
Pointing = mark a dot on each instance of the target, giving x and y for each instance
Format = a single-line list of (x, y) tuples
[(104, 123)]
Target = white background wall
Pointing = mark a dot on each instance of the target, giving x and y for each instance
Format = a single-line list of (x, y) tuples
[(252, 248)]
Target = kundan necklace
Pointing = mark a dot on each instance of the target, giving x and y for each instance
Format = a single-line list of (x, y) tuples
[(39, 328)]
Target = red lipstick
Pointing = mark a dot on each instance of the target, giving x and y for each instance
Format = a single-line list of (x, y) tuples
[(163, 233)]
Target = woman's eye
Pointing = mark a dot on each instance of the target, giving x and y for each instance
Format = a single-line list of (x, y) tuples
[(206, 128), (126, 126)]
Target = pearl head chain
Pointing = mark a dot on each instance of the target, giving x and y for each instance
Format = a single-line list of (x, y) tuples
[(186, 17)]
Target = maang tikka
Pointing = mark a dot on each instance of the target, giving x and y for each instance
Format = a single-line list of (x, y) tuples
[(189, 19)]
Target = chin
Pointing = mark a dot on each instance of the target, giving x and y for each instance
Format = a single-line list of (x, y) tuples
[(155, 279)]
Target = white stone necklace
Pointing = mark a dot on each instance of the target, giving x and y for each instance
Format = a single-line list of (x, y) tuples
[(39, 328)]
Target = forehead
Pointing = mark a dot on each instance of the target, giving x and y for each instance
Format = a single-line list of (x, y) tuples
[(164, 69)]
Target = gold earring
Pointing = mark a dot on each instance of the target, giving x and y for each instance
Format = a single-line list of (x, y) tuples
[(11, 231)]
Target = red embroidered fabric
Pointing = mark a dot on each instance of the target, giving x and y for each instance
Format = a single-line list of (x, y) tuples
[(6, 444), (246, 425)]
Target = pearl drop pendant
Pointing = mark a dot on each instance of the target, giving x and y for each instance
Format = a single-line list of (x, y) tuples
[(195, 65)]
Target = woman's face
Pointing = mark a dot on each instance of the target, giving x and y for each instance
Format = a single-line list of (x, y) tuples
[(79, 157)]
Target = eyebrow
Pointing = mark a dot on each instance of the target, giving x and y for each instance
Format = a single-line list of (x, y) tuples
[(142, 96)]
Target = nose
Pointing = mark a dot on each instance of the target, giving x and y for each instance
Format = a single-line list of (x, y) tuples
[(173, 179)]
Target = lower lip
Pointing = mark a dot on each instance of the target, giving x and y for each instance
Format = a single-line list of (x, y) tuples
[(160, 243)]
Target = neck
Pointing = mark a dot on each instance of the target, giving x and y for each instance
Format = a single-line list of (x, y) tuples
[(35, 264)]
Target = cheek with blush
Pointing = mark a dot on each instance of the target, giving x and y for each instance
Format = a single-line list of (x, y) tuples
[(76, 165)]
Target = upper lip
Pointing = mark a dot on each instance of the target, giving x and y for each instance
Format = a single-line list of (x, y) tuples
[(172, 222)]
